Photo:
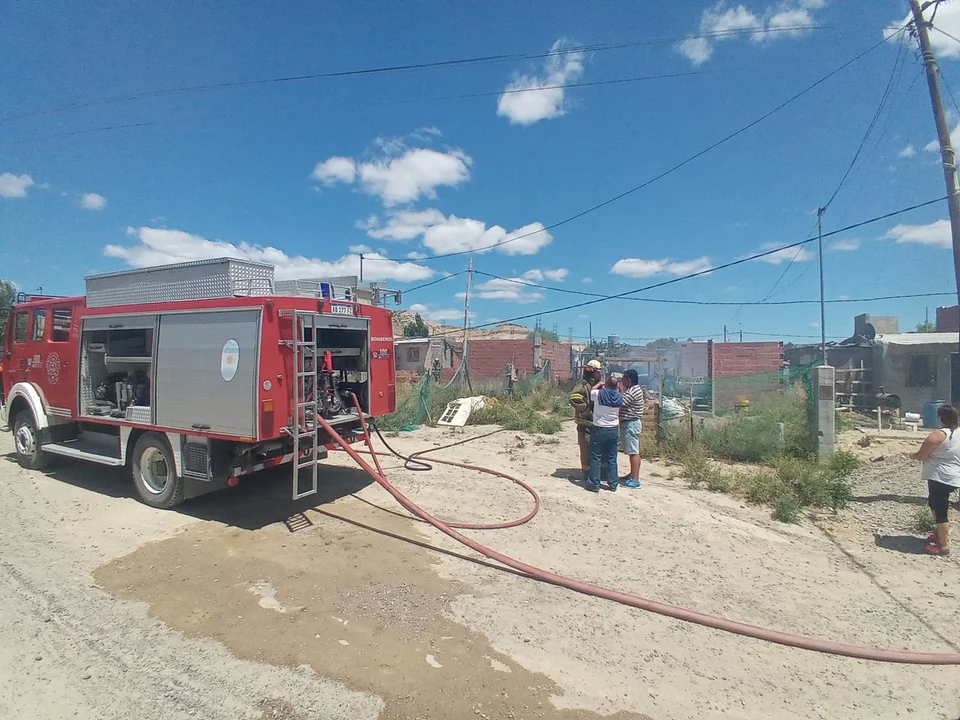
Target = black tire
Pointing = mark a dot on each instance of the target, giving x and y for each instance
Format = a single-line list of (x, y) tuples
[(27, 441), (154, 474)]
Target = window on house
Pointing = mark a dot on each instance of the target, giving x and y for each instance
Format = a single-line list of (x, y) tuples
[(39, 324), (921, 372), (61, 324), (21, 334), (413, 354)]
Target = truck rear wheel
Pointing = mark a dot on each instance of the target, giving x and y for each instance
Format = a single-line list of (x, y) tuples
[(26, 438), (154, 474)]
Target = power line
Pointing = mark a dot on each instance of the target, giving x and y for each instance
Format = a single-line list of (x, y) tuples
[(497, 93), (459, 62), (863, 141), (730, 264), (874, 120), (665, 301), (671, 170), (432, 282)]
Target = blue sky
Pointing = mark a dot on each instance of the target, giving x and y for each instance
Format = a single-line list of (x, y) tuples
[(307, 174)]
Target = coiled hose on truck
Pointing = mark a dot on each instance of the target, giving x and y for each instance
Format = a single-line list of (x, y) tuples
[(829, 647)]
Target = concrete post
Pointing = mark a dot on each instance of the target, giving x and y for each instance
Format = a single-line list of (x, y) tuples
[(825, 415)]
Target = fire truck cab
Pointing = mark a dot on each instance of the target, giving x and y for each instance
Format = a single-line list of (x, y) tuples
[(193, 375)]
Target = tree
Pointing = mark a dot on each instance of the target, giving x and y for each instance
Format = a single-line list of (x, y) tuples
[(8, 292), (548, 335), (605, 349), (662, 343), (926, 327), (416, 329)]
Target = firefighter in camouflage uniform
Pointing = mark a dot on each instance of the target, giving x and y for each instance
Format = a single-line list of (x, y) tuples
[(580, 400)]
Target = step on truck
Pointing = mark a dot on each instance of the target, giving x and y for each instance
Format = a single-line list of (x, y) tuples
[(194, 375)]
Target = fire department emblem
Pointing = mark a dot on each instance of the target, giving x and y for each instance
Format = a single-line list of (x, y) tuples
[(53, 368)]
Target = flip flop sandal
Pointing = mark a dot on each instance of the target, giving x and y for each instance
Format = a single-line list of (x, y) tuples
[(933, 549)]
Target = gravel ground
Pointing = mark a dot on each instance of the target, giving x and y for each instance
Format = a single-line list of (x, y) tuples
[(246, 605)]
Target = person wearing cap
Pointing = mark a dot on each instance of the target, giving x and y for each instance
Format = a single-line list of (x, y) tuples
[(580, 400)]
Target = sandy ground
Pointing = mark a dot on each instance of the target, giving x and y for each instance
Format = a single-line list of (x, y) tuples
[(245, 604)]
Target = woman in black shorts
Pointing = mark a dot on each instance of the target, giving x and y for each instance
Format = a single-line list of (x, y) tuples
[(940, 454)]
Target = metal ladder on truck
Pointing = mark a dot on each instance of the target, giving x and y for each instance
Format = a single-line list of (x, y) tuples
[(306, 407)]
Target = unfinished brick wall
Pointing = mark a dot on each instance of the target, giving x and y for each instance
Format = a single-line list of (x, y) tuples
[(745, 371), (488, 358)]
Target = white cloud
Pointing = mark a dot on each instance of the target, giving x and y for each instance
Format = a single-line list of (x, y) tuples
[(442, 234), (587, 280), (846, 245), (532, 98), (725, 22), (93, 201), (335, 170), (416, 255), (400, 175), (639, 268), (403, 225), (158, 246), (936, 234), (14, 186), (360, 249), (506, 289), (438, 314), (558, 275), (788, 255), (908, 151), (948, 19)]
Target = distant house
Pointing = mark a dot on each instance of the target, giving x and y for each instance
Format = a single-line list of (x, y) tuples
[(416, 354), (918, 368)]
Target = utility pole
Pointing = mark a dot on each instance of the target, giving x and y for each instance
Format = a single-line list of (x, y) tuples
[(591, 334), (724, 333), (823, 314), (943, 132), (361, 269)]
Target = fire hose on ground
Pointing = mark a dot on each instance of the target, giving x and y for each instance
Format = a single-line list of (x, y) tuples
[(829, 647)]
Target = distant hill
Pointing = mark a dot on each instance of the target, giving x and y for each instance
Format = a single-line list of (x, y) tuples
[(505, 331)]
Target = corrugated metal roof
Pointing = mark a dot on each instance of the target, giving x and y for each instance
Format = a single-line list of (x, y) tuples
[(919, 338)]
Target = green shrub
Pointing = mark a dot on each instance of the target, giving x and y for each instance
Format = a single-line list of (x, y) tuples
[(842, 464), (763, 487), (924, 521), (755, 436), (787, 510)]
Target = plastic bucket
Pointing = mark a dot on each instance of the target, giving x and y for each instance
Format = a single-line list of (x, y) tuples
[(930, 419)]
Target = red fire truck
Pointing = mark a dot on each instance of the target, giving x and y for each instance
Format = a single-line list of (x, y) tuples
[(195, 374)]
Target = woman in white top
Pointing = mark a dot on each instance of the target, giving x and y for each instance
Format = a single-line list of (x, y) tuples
[(940, 454)]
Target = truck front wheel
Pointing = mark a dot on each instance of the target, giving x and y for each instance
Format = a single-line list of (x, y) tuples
[(26, 438), (154, 474)]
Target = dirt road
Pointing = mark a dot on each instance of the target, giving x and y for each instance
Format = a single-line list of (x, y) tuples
[(248, 605)]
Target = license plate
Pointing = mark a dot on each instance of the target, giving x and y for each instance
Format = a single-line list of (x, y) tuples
[(341, 309)]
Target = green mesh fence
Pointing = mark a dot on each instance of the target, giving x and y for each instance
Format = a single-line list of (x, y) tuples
[(739, 392), (413, 406), (424, 401)]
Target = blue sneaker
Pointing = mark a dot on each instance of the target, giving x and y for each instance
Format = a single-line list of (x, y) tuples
[(631, 483)]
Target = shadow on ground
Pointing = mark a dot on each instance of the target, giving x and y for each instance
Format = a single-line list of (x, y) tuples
[(259, 500), (890, 497), (908, 544)]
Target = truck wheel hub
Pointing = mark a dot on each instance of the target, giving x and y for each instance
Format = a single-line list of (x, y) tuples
[(26, 442), (154, 469)]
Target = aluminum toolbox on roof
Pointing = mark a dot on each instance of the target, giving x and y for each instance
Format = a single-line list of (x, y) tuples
[(198, 280)]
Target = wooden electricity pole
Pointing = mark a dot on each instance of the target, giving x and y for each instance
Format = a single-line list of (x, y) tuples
[(947, 153)]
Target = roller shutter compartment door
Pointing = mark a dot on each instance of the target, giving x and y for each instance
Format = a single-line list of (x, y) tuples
[(206, 372)]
